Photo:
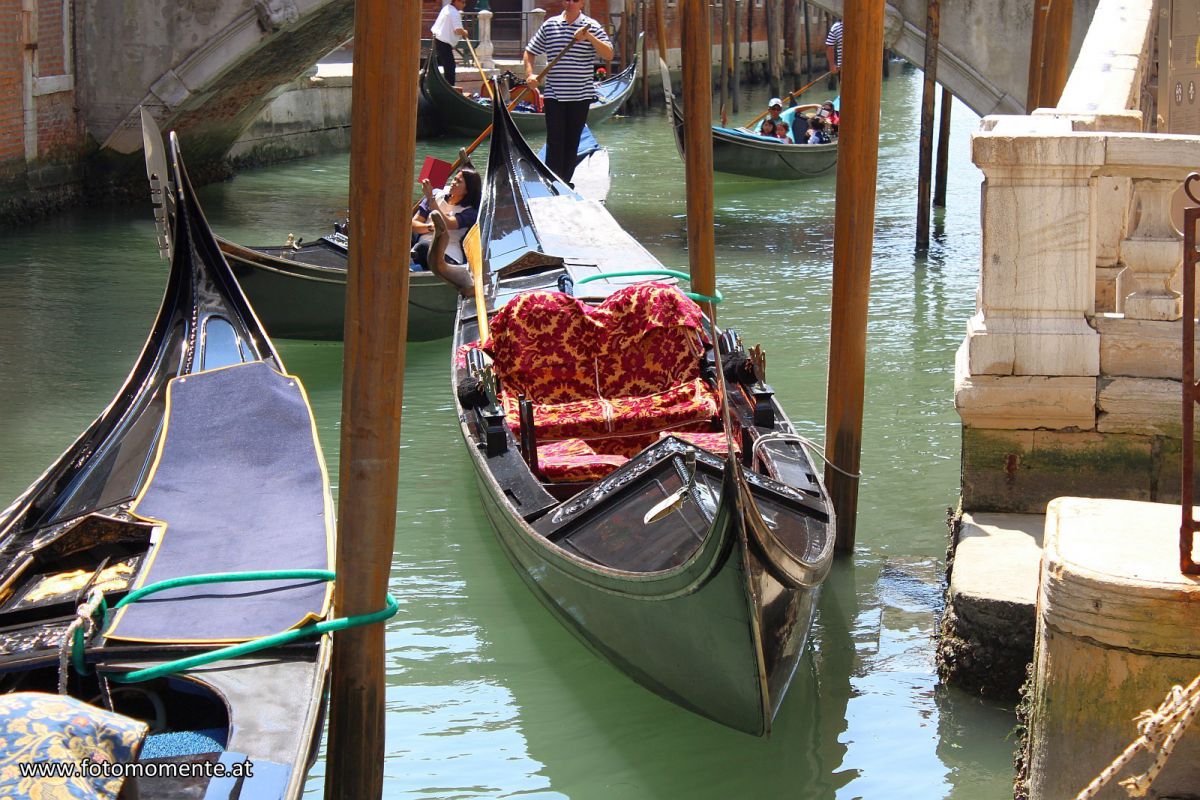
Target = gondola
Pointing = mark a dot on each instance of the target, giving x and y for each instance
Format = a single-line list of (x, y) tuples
[(206, 462), (594, 421), (463, 116), (299, 290), (737, 151)]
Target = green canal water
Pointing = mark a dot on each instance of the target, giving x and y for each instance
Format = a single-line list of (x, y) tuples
[(488, 695)]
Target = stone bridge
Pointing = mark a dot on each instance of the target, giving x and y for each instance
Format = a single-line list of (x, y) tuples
[(204, 68), (983, 46)]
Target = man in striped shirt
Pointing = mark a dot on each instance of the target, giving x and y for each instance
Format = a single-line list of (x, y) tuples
[(570, 86), (832, 41)]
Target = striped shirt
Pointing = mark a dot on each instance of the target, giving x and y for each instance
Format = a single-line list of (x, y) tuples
[(573, 78), (834, 39)]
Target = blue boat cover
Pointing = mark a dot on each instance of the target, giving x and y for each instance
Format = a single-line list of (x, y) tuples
[(240, 484)]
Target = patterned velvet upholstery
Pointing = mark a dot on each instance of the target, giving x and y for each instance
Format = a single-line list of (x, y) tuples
[(573, 460), (37, 727), (543, 344), (624, 370), (712, 442)]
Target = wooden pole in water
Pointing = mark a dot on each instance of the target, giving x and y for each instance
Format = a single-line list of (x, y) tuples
[(737, 56), (696, 43), (808, 68), (386, 60), (853, 234), (933, 24), (1049, 52), (943, 150), (771, 10), (726, 56), (1037, 46), (645, 66), (1056, 54)]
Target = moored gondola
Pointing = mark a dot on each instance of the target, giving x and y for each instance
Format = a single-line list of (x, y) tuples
[(737, 151), (205, 464), (464, 116), (679, 528), (299, 290)]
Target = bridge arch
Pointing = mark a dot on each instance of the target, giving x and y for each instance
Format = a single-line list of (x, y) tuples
[(983, 45)]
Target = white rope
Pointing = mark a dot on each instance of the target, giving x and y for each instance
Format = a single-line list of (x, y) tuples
[(804, 440), (1159, 730), (85, 618)]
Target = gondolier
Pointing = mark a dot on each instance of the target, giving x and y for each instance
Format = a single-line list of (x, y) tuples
[(833, 47), (570, 87), (447, 31)]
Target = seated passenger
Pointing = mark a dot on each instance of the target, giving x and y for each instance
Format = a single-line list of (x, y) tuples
[(782, 133), (767, 126), (830, 115), (459, 207), (816, 131)]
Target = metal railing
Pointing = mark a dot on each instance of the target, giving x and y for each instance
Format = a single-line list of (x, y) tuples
[(1191, 392)]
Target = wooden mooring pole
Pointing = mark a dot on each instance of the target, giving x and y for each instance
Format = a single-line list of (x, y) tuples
[(386, 59), (737, 56), (943, 150), (726, 59), (933, 24), (1049, 52), (696, 44), (808, 68), (853, 235), (645, 65)]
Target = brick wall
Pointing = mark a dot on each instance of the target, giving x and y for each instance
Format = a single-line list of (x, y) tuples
[(12, 138), (51, 56)]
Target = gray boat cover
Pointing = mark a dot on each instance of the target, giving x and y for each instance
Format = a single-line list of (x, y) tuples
[(240, 484)]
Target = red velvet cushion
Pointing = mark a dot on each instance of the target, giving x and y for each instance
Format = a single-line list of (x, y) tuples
[(601, 418), (544, 345), (712, 442), (573, 460)]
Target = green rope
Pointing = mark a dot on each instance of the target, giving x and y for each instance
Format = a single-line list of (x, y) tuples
[(671, 273), (234, 651)]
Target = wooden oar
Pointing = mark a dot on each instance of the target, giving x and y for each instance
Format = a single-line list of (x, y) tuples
[(472, 249), (796, 93), (479, 66)]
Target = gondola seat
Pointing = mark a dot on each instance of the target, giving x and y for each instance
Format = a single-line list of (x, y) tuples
[(712, 442), (574, 460), (626, 368)]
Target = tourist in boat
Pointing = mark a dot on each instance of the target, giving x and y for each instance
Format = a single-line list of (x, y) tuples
[(782, 134), (774, 109), (768, 128), (569, 89), (447, 31), (830, 115), (816, 131), (458, 205)]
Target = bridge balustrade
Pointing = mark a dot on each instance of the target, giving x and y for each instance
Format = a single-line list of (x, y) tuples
[(1068, 381)]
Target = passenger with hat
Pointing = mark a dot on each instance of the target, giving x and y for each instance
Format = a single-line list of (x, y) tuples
[(774, 109)]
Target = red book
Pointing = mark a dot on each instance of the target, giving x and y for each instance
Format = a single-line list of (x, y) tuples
[(436, 171)]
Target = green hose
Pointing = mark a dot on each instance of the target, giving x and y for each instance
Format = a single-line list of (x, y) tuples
[(671, 273), (233, 651)]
